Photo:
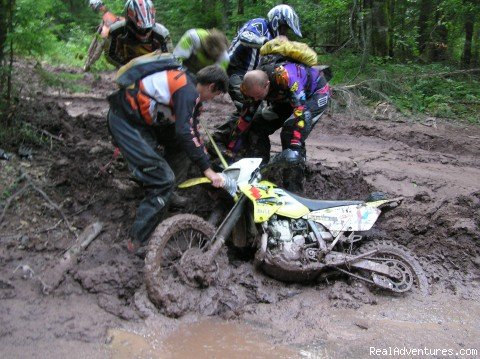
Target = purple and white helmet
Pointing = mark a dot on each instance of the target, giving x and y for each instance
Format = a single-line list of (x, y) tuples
[(284, 15)]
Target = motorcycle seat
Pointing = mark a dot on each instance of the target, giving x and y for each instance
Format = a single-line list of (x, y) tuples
[(316, 205)]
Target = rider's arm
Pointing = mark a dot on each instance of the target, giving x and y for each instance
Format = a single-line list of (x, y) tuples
[(113, 52), (186, 46), (185, 108), (223, 60), (234, 143), (217, 180), (255, 33), (163, 33)]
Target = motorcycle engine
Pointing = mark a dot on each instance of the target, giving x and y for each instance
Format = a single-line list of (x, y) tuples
[(288, 237)]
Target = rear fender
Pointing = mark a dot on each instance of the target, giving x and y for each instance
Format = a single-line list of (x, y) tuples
[(386, 203)]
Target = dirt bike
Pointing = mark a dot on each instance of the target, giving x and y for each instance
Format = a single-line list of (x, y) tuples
[(295, 238), (98, 42)]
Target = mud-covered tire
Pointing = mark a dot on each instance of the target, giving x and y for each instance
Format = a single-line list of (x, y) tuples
[(391, 249), (94, 52), (167, 244)]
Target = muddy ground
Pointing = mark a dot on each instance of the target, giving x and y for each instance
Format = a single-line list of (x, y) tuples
[(100, 309)]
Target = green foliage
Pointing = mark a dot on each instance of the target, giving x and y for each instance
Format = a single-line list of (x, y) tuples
[(20, 133), (435, 89), (60, 32), (62, 80)]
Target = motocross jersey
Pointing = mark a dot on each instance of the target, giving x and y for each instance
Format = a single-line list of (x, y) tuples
[(165, 98), (291, 83), (189, 50), (244, 52), (122, 45)]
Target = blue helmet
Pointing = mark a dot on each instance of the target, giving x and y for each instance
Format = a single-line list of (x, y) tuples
[(284, 15)]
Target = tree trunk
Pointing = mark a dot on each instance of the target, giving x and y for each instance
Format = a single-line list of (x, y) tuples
[(426, 8), (226, 14), (439, 43), (391, 27), (353, 23), (467, 47), (380, 28), (3, 30), (476, 53), (241, 7), (366, 29)]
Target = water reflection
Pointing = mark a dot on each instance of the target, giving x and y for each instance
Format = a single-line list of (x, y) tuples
[(205, 339)]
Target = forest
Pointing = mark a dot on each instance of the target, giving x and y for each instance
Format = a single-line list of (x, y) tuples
[(420, 55)]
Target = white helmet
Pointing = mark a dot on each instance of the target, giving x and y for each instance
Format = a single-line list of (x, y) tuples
[(95, 4), (284, 15), (140, 13)]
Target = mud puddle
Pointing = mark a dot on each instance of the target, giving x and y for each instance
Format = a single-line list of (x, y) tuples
[(201, 340)]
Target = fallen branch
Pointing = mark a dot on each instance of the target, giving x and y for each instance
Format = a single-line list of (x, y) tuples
[(10, 199), (44, 132), (54, 205), (53, 276)]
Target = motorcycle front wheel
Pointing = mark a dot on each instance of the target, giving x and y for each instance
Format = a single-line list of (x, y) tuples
[(169, 243), (94, 52), (408, 274)]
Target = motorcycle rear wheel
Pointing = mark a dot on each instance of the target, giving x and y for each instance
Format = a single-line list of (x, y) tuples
[(163, 273), (403, 258)]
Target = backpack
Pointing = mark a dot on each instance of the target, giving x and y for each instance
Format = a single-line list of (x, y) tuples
[(277, 52), (289, 50), (145, 65)]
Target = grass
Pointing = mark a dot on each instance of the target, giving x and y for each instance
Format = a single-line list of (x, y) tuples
[(19, 133), (62, 80)]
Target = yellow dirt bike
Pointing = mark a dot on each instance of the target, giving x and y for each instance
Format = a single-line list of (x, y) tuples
[(295, 238)]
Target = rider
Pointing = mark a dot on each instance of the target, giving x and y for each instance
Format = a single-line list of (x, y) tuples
[(138, 35), (298, 95), (198, 48), (168, 103), (108, 18), (244, 51)]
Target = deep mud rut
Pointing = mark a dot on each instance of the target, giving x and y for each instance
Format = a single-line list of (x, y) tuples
[(100, 308)]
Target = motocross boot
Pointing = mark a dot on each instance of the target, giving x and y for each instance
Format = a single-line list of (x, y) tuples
[(294, 179), (294, 175)]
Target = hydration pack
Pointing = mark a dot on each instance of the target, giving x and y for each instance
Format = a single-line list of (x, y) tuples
[(145, 65)]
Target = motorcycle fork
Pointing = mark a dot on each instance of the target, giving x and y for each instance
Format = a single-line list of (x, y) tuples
[(225, 228)]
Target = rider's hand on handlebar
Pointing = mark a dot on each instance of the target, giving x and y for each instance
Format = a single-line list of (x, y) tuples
[(217, 179)]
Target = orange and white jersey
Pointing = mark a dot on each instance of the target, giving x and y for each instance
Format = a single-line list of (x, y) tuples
[(156, 94), (169, 95)]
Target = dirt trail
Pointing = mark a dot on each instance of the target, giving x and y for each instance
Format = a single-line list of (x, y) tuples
[(435, 166)]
